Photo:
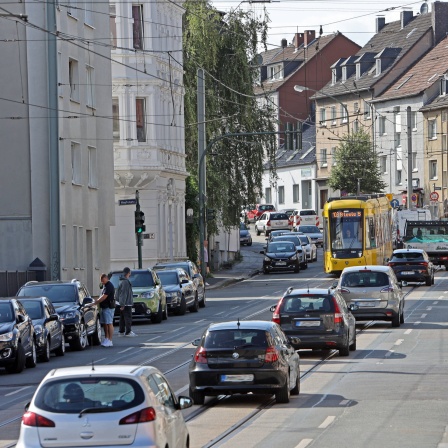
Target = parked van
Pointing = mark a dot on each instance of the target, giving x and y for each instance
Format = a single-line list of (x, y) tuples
[(304, 217)]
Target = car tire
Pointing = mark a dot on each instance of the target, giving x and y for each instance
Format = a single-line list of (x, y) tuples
[(197, 396), (297, 269), (195, 307), (19, 363), (60, 351), (428, 281), (265, 272), (282, 395), (305, 265), (249, 244), (396, 320), (296, 389), (45, 357), (31, 361), (158, 317), (402, 316), (95, 339), (352, 346), (259, 233), (432, 279), (181, 310), (80, 343), (203, 301), (345, 350), (165, 312)]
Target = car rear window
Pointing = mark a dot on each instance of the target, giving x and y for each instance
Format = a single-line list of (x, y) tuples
[(307, 212), (6, 312), (137, 279), (72, 395), (265, 207), (278, 216), (312, 302), (309, 229), (365, 279), (281, 247), (411, 256), (235, 338), (293, 239), (168, 278), (56, 293), (33, 308)]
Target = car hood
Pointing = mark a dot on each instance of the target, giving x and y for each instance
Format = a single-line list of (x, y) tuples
[(138, 291), (244, 233), (64, 307), (171, 288), (6, 327), (39, 321), (280, 254)]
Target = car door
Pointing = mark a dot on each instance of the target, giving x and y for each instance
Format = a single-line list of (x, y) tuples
[(284, 348), (89, 312), (348, 317), (24, 326), (187, 286), (197, 278), (55, 327)]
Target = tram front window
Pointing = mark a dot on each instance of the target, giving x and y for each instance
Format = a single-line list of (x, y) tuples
[(346, 229)]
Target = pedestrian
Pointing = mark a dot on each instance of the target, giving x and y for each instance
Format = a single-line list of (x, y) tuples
[(107, 309), (126, 301)]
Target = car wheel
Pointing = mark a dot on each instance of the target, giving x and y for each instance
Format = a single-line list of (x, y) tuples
[(249, 244), (352, 346), (259, 233), (195, 307), (428, 281), (31, 361), (297, 269), (95, 339), (305, 265), (197, 396), (19, 363), (265, 272), (432, 281), (296, 389), (158, 317), (182, 308), (60, 351), (402, 316), (345, 350), (202, 302), (45, 357), (165, 312), (282, 396), (80, 343), (396, 320)]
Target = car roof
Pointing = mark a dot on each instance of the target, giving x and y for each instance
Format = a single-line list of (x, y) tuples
[(132, 271), (372, 267), (176, 270), (34, 298), (9, 298), (170, 263), (403, 251), (243, 325), (53, 282), (309, 291), (98, 370)]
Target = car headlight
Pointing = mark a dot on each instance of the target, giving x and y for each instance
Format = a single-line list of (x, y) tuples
[(6, 336), (147, 295), (294, 257), (38, 329), (68, 315), (267, 259)]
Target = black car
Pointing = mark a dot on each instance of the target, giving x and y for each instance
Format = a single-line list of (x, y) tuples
[(48, 328), (245, 236), (319, 318), (280, 256), (412, 265), (180, 290), (301, 252), (17, 339), (192, 270), (241, 357), (72, 302)]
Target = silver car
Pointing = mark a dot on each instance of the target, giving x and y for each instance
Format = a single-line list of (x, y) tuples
[(313, 232), (375, 290), (309, 247), (105, 406)]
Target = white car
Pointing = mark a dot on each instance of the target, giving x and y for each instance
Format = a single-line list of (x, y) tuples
[(272, 221), (309, 247), (104, 406)]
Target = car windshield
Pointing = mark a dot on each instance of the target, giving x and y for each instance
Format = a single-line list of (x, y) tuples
[(309, 229), (278, 216), (56, 293), (34, 308), (283, 246), (365, 279), (6, 312), (72, 395), (307, 303), (235, 338), (168, 278), (307, 213), (138, 279), (304, 240), (408, 256), (293, 239), (243, 226)]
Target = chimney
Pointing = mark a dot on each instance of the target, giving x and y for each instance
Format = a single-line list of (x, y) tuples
[(380, 22), (406, 16), (309, 36), (284, 43), (298, 40), (439, 19)]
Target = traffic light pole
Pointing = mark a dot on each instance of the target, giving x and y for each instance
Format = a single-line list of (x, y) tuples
[(138, 236)]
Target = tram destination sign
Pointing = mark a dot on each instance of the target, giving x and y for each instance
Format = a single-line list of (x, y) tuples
[(346, 214)]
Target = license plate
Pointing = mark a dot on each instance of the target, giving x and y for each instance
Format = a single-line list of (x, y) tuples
[(236, 378), (281, 263), (365, 303), (133, 310), (307, 323), (407, 272)]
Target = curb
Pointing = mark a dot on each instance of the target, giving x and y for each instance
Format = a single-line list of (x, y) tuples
[(232, 280)]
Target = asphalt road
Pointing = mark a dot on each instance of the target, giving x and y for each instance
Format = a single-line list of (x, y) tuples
[(390, 392)]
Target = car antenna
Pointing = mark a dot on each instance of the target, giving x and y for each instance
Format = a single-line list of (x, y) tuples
[(93, 365), (308, 288), (238, 323)]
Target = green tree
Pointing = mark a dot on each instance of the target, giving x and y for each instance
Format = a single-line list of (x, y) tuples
[(356, 159), (225, 46)]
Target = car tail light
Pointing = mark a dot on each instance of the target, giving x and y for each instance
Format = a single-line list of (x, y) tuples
[(268, 224), (271, 355), (200, 356), (33, 419), (337, 312), (344, 290), (391, 263), (276, 315), (142, 416), (423, 263), (387, 289)]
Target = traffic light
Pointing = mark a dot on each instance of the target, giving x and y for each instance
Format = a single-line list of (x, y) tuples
[(210, 214), (139, 222)]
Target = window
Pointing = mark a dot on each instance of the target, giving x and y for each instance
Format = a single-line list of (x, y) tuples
[(444, 141), (295, 193), (397, 119), (443, 86), (378, 67), (61, 161), (383, 164), (93, 174), (344, 74), (63, 246), (73, 79), (356, 108), (81, 247), (323, 157), (444, 115), (140, 119), (334, 77), (433, 169), (116, 119), (432, 129), (88, 16), (414, 120), (60, 91), (113, 25), (333, 115), (281, 195), (267, 194), (75, 247), (356, 126), (397, 140), (333, 154), (358, 71), (367, 115), (90, 94), (382, 125), (323, 119), (398, 177), (276, 72), (137, 26), (76, 163), (344, 113)]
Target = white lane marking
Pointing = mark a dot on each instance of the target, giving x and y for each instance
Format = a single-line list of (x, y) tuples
[(435, 302), (344, 402), (177, 329), (222, 312), (399, 341), (408, 331), (327, 422), (428, 308), (389, 353), (417, 322), (234, 307), (157, 337), (304, 443), (96, 360), (17, 391), (201, 320), (126, 349), (423, 315), (441, 297), (182, 389)]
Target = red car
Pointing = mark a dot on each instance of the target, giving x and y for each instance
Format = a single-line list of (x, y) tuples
[(254, 215)]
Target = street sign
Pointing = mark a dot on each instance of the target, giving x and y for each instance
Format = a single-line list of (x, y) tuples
[(434, 196), (414, 198), (149, 236), (437, 188), (127, 201), (394, 203)]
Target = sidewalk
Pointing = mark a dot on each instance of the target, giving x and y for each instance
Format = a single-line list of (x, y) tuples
[(249, 266)]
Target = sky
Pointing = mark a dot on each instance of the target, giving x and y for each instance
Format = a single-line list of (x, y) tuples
[(354, 18)]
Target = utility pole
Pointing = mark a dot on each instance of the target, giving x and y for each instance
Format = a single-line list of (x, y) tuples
[(139, 228), (409, 128)]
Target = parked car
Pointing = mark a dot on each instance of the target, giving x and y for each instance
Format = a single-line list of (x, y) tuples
[(412, 265), (319, 318), (17, 339), (275, 233), (72, 302), (301, 250), (254, 214), (245, 236), (179, 289), (313, 232), (241, 357), (105, 406), (195, 274), (375, 290), (149, 296), (272, 221), (304, 217), (48, 327), (288, 211), (281, 255), (308, 246)]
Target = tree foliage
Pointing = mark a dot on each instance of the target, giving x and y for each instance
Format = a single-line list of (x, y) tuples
[(356, 159), (225, 46)]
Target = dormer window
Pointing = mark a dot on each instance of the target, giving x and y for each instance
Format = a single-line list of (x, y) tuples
[(344, 74), (333, 76), (276, 72), (443, 86), (378, 67), (358, 71)]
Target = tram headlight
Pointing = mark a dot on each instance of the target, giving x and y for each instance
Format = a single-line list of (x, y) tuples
[(359, 254)]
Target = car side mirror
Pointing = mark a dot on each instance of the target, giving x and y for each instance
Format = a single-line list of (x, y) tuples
[(52, 317), (20, 318), (272, 308), (334, 285), (185, 402), (87, 301), (196, 342), (353, 307)]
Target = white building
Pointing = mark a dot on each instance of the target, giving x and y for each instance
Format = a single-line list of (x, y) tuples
[(149, 148)]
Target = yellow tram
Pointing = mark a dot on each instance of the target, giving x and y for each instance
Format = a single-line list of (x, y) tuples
[(357, 231)]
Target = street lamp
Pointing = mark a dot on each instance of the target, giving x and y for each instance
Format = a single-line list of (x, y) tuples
[(303, 88)]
